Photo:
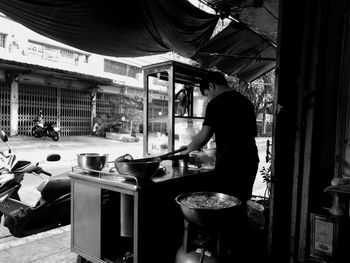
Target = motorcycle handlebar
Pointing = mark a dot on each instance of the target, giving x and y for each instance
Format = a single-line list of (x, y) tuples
[(36, 170), (47, 173)]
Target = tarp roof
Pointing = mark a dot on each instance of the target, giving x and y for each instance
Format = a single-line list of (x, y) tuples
[(238, 51), (135, 28), (259, 15)]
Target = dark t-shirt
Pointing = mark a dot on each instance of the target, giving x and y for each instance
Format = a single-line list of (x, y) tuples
[(232, 117)]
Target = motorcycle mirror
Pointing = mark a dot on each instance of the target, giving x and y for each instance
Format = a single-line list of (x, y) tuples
[(53, 158), (3, 136)]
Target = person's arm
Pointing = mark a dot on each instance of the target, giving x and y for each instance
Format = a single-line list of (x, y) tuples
[(200, 139)]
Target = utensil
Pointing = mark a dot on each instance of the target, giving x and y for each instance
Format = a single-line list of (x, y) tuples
[(208, 208), (143, 168), (167, 155), (92, 161)]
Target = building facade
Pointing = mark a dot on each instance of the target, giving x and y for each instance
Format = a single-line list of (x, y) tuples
[(69, 86)]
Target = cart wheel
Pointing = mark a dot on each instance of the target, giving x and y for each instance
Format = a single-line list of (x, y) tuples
[(80, 259)]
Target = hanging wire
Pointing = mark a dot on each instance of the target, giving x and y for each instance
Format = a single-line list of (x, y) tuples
[(267, 10), (237, 56)]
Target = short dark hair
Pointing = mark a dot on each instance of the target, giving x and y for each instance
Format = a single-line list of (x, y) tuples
[(214, 77)]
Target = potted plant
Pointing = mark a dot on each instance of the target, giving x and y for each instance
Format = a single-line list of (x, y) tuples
[(259, 206), (266, 175)]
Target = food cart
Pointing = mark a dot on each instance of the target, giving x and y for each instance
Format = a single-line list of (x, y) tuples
[(132, 219)]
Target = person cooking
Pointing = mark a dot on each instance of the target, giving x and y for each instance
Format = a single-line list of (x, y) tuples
[(231, 117)]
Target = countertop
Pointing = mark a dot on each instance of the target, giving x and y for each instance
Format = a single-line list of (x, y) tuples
[(171, 173)]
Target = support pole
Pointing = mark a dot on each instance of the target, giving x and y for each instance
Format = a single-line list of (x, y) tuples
[(14, 108)]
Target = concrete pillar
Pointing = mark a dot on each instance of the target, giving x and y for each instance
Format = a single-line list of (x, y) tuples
[(93, 107), (59, 106), (14, 108)]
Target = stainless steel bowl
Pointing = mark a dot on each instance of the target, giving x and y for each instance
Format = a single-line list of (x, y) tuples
[(92, 161)]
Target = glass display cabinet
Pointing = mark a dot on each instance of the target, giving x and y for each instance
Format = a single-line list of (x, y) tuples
[(174, 107)]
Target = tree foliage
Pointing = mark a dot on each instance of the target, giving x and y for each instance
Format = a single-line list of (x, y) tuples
[(124, 109), (260, 92)]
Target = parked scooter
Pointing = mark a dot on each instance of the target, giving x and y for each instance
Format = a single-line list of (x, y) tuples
[(43, 128), (51, 210)]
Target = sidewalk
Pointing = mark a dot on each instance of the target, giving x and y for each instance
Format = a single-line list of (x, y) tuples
[(52, 246)]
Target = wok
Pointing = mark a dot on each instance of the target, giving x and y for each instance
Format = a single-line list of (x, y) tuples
[(208, 208), (143, 168)]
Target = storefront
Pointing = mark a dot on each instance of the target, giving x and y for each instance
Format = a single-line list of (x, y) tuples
[(64, 98)]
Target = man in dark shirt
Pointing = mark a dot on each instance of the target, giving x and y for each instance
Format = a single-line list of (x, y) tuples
[(231, 117)]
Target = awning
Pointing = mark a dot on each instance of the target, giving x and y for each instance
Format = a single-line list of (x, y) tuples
[(137, 28), (238, 51), (117, 28), (25, 68), (259, 15)]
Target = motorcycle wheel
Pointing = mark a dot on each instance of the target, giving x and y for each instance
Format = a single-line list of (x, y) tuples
[(35, 133), (55, 136)]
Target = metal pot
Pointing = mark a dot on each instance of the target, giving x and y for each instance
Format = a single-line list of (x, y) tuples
[(200, 213), (143, 168), (92, 161), (180, 160)]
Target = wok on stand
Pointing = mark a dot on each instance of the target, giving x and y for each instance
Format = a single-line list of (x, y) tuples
[(207, 214), (143, 168), (207, 208)]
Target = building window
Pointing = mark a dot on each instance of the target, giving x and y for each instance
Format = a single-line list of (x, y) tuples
[(121, 69), (2, 40), (56, 54)]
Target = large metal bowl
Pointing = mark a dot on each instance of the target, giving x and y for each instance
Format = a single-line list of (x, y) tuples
[(143, 168), (92, 161), (198, 208)]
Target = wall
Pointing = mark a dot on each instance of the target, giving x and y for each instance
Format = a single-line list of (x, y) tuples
[(309, 77)]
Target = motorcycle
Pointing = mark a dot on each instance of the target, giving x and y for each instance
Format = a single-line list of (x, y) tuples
[(45, 129), (51, 210)]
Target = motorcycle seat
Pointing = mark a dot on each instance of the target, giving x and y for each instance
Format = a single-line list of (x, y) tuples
[(55, 187)]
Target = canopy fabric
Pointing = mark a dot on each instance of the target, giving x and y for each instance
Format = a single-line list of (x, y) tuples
[(136, 28), (261, 16), (238, 51), (117, 28)]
